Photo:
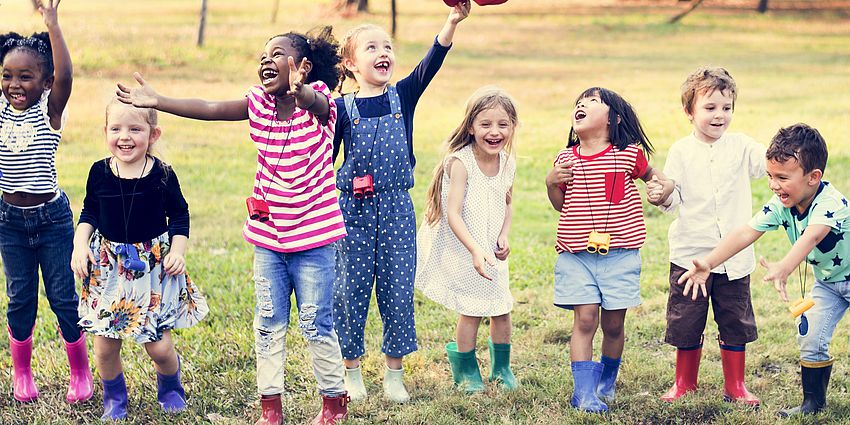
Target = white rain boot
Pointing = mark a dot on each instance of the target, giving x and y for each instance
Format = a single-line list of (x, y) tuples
[(394, 386), (354, 384)]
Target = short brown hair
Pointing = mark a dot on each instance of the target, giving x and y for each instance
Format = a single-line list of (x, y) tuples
[(802, 143), (707, 80)]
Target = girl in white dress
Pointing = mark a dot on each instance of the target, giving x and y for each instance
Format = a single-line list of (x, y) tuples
[(463, 244)]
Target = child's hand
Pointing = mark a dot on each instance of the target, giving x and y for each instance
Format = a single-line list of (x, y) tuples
[(503, 249), (776, 275), (459, 12), (654, 191), (695, 279), (560, 174), (174, 264), (80, 259), (480, 260), (143, 97), (48, 12), (297, 76)]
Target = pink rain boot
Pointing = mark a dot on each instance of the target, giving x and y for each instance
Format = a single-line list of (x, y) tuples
[(25, 390), (81, 385)]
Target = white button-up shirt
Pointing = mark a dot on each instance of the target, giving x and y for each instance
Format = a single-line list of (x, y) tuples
[(713, 197)]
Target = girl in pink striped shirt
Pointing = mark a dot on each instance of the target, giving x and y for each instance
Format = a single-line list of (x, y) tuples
[(600, 231), (294, 216)]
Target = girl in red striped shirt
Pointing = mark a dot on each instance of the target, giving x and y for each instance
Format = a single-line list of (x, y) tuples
[(600, 232)]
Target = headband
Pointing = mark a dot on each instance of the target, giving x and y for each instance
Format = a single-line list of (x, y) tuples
[(30, 42)]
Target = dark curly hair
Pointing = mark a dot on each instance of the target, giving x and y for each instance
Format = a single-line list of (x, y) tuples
[(37, 44), (801, 143), (320, 48)]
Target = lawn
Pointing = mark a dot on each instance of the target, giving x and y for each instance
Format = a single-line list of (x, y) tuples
[(790, 67)]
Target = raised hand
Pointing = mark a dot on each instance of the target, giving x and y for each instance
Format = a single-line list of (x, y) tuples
[(297, 76), (459, 12), (695, 279), (142, 97), (777, 276), (48, 12)]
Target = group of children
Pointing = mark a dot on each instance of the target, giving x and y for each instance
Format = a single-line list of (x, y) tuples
[(328, 236)]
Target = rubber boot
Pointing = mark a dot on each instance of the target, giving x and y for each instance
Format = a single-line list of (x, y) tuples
[(465, 370), (114, 398), (815, 382), (25, 390), (394, 389), (272, 410), (333, 409), (687, 370), (586, 377), (170, 392), (608, 382), (354, 384), (500, 366), (732, 357), (81, 385)]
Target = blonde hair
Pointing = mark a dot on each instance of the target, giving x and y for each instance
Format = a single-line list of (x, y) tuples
[(707, 80), (348, 46), (485, 98), (148, 114)]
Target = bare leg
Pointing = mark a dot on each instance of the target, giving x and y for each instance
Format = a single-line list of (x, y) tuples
[(585, 322)]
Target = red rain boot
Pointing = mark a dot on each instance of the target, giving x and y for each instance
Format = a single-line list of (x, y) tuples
[(333, 409), (81, 386), (732, 358), (25, 390), (272, 411), (687, 370)]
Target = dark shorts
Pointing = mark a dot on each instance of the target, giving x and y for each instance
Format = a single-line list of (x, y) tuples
[(730, 300)]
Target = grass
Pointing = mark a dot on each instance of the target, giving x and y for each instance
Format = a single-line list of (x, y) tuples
[(790, 67)]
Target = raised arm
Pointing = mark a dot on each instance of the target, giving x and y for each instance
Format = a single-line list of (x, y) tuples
[(146, 97), (458, 13), (63, 71)]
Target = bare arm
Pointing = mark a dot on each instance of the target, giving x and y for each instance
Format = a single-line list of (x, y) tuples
[(732, 244), (63, 71), (658, 186), (82, 255), (559, 174), (174, 263), (778, 272), (146, 97), (305, 96), (454, 207), (503, 247), (458, 13)]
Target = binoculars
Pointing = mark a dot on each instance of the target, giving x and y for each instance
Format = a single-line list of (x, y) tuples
[(258, 209), (453, 3), (131, 259), (598, 243), (362, 187), (800, 306)]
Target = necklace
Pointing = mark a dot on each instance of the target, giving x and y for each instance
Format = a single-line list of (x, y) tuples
[(125, 212)]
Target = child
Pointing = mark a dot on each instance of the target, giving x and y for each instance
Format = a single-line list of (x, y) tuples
[(36, 84), (374, 179), (463, 245), (295, 216), (712, 170), (128, 250), (600, 231), (816, 219)]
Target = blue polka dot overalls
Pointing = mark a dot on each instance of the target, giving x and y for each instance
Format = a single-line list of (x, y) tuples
[(381, 242)]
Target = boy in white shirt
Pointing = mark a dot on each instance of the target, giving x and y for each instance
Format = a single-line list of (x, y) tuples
[(712, 170)]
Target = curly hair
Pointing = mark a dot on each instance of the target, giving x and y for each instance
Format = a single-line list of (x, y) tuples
[(38, 45), (801, 143), (320, 48), (707, 80)]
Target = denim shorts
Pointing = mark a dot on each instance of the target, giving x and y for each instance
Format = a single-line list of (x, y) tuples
[(612, 281)]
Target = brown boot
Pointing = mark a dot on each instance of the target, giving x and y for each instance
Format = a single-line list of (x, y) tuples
[(333, 409), (272, 411)]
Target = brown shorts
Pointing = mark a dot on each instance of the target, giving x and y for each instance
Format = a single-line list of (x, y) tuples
[(730, 300)]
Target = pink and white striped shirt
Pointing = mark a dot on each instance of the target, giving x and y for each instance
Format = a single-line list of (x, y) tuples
[(294, 175)]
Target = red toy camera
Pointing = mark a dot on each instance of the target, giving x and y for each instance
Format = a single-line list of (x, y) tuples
[(258, 209), (362, 187)]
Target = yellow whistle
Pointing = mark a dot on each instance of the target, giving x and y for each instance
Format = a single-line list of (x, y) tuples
[(598, 242), (800, 306)]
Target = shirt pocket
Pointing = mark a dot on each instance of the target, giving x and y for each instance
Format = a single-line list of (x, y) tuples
[(615, 187)]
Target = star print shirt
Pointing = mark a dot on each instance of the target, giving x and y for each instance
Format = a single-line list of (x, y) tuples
[(830, 259)]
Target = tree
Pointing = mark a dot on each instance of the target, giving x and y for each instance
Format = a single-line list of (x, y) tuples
[(203, 23), (762, 7), (694, 4), (393, 13)]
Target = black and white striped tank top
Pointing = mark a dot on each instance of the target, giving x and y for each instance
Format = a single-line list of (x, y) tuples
[(28, 148)]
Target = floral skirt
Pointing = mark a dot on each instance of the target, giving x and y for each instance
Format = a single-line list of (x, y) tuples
[(120, 303)]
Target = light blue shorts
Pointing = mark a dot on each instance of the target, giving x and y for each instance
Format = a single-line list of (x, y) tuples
[(612, 281)]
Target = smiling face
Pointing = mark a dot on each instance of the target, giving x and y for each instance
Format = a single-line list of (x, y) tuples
[(129, 136), (492, 130), (590, 118), (712, 114), (23, 79), (794, 187), (274, 66), (372, 60)]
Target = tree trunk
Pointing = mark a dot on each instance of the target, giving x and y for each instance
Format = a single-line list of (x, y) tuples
[(694, 4), (275, 8), (203, 23), (362, 5), (762, 7), (393, 13)]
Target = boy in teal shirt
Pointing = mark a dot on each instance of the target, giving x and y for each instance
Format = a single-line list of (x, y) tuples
[(816, 218)]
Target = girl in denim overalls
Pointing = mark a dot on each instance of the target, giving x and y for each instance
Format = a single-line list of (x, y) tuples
[(376, 126)]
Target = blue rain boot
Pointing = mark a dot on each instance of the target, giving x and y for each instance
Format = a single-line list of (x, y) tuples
[(169, 391), (114, 398), (608, 382), (586, 377), (465, 371)]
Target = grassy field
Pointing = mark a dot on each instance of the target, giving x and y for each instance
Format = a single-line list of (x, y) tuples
[(790, 67)]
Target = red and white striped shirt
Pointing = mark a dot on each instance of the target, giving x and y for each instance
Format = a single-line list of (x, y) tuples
[(294, 175), (603, 197)]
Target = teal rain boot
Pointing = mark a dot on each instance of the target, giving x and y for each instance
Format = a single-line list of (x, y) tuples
[(465, 370), (500, 365)]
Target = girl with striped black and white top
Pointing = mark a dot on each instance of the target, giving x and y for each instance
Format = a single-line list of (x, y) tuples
[(294, 216), (36, 223)]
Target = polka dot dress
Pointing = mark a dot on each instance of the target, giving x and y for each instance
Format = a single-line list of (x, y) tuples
[(445, 272)]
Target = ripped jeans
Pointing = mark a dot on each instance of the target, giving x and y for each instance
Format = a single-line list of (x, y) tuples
[(310, 274)]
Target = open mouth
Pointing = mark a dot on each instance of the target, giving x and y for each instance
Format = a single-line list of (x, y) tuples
[(268, 75), (383, 66), (126, 148), (18, 97), (493, 142), (580, 115)]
